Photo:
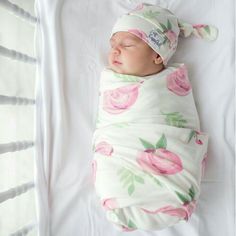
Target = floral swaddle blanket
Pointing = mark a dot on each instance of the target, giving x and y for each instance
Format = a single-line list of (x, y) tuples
[(149, 153)]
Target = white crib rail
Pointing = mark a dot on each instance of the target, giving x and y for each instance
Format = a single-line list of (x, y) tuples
[(15, 146), (19, 190), (25, 230), (13, 8), (13, 192), (16, 55), (12, 100)]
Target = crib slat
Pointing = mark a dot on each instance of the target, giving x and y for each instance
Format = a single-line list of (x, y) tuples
[(18, 11), (16, 55), (25, 230), (15, 146), (6, 100), (13, 192)]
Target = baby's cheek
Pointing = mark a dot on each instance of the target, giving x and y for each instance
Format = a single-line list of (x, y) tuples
[(109, 57), (130, 64), (135, 58), (139, 61)]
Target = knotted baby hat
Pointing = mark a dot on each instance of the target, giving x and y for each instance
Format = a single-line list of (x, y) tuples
[(160, 28)]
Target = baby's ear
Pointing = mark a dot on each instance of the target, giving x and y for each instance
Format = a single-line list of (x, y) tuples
[(158, 60)]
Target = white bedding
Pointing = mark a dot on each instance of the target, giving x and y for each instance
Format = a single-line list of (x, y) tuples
[(72, 42)]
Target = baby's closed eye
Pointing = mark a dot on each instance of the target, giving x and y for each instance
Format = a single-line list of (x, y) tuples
[(128, 45)]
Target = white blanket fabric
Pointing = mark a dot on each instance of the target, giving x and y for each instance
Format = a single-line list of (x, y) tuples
[(72, 43), (148, 149)]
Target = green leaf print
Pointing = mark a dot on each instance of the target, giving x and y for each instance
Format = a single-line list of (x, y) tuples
[(207, 29), (150, 14), (139, 179), (131, 189), (129, 179), (117, 213), (163, 27), (175, 119), (182, 197), (192, 193), (169, 26), (124, 175), (131, 224), (146, 144), (127, 78), (161, 142), (192, 133), (185, 198)]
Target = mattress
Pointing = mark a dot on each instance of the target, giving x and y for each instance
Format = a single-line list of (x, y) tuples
[(72, 42)]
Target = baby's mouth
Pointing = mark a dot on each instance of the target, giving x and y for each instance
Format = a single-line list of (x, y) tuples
[(116, 62)]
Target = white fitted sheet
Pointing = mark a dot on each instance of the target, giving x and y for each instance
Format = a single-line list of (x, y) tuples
[(72, 43)]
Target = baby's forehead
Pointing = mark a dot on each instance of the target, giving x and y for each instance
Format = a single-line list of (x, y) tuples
[(124, 35)]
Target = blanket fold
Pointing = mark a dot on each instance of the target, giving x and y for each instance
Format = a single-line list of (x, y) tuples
[(148, 149)]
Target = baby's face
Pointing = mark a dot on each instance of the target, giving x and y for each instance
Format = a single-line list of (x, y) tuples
[(131, 55)]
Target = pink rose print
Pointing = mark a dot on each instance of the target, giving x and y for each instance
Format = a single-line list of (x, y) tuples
[(179, 212), (160, 162), (199, 28), (171, 35), (184, 212), (109, 203), (204, 163), (195, 134), (178, 82), (139, 33), (137, 8), (189, 208), (104, 148), (94, 169), (126, 229), (119, 100), (198, 141)]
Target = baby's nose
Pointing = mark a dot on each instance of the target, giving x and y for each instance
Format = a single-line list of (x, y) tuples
[(115, 50)]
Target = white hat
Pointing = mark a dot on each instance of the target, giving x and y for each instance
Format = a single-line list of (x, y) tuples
[(160, 28)]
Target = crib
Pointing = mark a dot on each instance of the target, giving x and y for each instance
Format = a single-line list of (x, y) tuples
[(18, 67), (51, 54)]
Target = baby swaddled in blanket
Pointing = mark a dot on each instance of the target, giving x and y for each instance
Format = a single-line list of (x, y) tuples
[(148, 148)]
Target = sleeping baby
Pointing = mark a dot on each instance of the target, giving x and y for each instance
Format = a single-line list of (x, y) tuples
[(149, 152)]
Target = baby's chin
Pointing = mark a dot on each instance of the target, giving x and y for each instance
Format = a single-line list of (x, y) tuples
[(120, 69), (115, 69)]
